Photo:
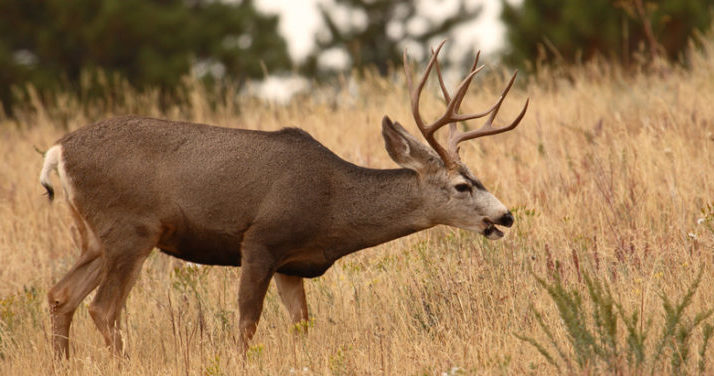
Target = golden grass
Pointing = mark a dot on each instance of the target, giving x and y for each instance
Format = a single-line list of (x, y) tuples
[(610, 166)]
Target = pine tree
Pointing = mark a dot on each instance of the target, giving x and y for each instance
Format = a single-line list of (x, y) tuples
[(151, 43), (578, 30)]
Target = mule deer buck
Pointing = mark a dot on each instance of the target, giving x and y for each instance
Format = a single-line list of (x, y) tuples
[(278, 204)]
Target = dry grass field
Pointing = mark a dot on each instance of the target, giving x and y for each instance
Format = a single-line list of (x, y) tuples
[(610, 175)]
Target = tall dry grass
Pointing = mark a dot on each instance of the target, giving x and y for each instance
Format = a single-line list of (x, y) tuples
[(608, 174)]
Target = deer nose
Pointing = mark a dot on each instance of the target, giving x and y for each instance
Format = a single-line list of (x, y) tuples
[(506, 220)]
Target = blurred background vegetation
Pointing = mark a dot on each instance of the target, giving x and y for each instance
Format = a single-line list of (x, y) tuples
[(53, 44), (379, 40), (623, 31), (50, 45)]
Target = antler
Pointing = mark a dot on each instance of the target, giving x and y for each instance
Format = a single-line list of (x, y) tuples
[(450, 155)]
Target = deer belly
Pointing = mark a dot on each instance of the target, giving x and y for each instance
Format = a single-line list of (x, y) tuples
[(207, 248), (306, 267)]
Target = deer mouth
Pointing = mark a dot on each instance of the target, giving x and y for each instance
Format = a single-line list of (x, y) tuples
[(491, 231)]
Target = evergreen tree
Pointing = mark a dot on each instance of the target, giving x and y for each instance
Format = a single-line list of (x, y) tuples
[(49, 43), (576, 30)]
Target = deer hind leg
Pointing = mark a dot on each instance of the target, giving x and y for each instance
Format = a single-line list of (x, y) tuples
[(254, 281), (125, 253), (292, 293), (82, 278)]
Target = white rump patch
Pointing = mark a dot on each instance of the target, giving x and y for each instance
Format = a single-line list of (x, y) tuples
[(52, 157), (54, 160)]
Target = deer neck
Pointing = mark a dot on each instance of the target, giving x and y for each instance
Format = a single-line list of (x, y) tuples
[(376, 206)]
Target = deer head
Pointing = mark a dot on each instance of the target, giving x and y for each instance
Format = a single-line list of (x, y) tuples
[(457, 198)]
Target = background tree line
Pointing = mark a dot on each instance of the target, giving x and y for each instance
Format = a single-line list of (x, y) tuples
[(623, 31), (51, 44), (151, 43)]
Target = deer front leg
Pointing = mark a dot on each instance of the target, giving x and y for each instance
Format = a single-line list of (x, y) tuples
[(292, 293), (254, 281)]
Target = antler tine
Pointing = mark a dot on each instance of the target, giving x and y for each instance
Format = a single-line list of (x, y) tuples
[(453, 106), (487, 128), (445, 92), (451, 115), (415, 92)]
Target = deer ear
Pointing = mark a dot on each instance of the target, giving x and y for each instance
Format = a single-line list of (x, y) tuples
[(404, 148)]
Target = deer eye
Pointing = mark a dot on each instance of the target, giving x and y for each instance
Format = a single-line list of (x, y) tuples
[(463, 187)]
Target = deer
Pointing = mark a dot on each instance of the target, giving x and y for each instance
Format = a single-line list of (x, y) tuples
[(278, 204)]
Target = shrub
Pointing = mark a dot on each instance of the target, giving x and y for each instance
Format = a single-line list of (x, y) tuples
[(596, 344)]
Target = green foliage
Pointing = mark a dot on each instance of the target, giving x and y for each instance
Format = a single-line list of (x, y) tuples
[(677, 329), (303, 326), (189, 279), (597, 346), (578, 30), (255, 352), (214, 367), (151, 43), (372, 45), (338, 361)]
